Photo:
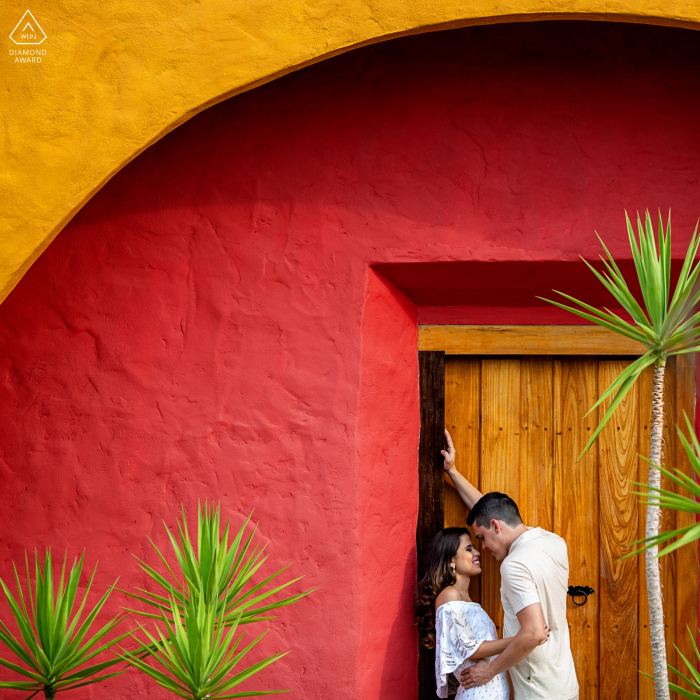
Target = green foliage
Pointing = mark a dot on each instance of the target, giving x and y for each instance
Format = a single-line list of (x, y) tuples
[(667, 325), (196, 655), (56, 648), (196, 652), (693, 677), (213, 570), (676, 501)]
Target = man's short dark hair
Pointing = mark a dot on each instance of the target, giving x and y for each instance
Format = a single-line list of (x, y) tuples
[(495, 506)]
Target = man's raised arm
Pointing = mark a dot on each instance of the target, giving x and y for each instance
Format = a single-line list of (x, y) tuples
[(468, 493)]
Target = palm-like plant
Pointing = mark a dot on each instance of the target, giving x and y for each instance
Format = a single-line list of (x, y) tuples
[(54, 650), (213, 569), (677, 501), (195, 655), (693, 679), (666, 324)]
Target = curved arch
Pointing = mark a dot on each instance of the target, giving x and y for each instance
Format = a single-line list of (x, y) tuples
[(108, 86)]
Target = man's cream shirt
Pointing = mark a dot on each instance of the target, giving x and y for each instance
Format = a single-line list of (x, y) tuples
[(536, 570)]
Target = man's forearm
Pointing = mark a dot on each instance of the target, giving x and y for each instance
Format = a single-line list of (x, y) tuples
[(467, 492), (520, 646), (533, 632)]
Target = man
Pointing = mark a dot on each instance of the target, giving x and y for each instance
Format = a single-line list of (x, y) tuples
[(534, 581)]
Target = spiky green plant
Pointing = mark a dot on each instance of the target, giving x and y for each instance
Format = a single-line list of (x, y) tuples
[(665, 324), (54, 650), (212, 570), (693, 679), (196, 654), (677, 502)]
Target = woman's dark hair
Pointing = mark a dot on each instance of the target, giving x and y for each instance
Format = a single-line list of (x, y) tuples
[(438, 575)]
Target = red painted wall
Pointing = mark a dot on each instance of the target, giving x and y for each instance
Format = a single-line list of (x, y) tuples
[(388, 426), (209, 325)]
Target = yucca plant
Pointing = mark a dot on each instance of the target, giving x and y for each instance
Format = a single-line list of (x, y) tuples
[(212, 570), (54, 650), (196, 653), (677, 501), (666, 324), (693, 679)]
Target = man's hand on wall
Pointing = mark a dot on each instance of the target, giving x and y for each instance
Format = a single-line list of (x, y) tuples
[(467, 492), (449, 454)]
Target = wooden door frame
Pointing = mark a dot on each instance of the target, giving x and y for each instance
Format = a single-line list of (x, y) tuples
[(525, 340), (436, 341), (431, 484)]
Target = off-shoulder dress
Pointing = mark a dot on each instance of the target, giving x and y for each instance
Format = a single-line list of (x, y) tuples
[(460, 628)]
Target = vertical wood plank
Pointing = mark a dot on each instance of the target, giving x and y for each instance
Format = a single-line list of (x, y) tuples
[(462, 406), (431, 500), (686, 557), (500, 458), (576, 507), (668, 568), (619, 521), (536, 441)]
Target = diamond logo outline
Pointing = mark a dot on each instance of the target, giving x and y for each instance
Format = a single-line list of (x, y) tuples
[(27, 19)]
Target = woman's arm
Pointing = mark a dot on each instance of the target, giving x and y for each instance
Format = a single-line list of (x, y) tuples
[(499, 646), (491, 648)]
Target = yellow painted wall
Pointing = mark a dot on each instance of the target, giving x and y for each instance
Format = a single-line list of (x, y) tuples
[(118, 75)]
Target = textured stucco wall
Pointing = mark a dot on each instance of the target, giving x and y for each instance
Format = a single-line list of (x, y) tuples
[(117, 76), (207, 326), (388, 421)]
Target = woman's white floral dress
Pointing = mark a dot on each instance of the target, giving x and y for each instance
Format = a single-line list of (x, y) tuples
[(460, 628)]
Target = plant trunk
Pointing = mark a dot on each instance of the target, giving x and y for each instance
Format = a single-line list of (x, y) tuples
[(653, 569), (49, 692)]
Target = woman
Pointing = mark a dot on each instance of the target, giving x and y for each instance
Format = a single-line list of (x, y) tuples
[(449, 621)]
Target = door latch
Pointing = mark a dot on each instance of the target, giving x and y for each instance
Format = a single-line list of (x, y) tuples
[(579, 592)]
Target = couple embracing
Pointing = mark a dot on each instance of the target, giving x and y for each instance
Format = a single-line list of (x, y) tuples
[(534, 577)]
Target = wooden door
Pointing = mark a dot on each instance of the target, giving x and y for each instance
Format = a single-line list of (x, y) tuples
[(519, 425)]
